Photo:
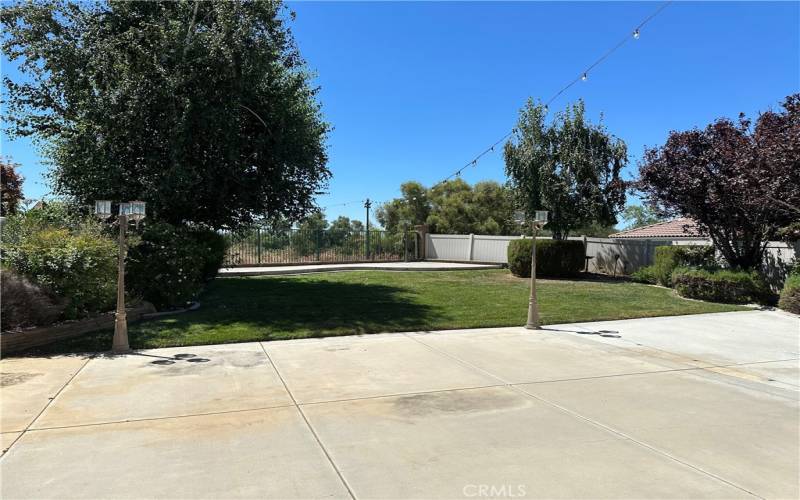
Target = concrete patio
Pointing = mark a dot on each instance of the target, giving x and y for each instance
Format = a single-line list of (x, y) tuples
[(696, 406)]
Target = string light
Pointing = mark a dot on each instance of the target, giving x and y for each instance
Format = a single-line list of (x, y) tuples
[(583, 77), (342, 204)]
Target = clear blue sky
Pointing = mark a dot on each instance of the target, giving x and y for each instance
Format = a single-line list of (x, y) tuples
[(415, 90)]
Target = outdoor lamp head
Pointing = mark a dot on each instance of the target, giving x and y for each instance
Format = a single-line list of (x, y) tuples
[(137, 210), (542, 216), (102, 208)]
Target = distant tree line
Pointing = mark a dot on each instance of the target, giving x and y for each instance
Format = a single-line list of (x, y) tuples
[(456, 207)]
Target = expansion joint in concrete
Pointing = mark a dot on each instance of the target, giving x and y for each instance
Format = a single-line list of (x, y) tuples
[(606, 428), (308, 424)]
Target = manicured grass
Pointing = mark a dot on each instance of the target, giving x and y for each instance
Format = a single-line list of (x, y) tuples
[(318, 305)]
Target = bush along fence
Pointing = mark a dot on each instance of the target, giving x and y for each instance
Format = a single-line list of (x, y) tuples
[(603, 255), (259, 246)]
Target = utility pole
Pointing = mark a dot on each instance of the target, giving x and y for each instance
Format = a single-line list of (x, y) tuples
[(367, 205)]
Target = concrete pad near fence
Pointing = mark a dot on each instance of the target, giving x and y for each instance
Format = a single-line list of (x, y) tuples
[(580, 411), (365, 266)]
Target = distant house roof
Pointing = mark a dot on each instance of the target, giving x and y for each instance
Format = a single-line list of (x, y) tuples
[(676, 228)]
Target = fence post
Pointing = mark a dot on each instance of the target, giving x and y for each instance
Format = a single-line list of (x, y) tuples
[(585, 254), (405, 246), (422, 232), (471, 245), (258, 244), (317, 233)]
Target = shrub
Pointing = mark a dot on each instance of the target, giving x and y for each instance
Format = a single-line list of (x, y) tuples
[(554, 258), (645, 274), (52, 214), (790, 295), (668, 258), (25, 304), (170, 264), (790, 233), (214, 255), (736, 287), (79, 265)]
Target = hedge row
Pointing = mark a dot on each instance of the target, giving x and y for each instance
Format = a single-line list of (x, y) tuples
[(790, 295), (57, 267), (724, 285), (695, 273), (554, 258), (669, 258), (76, 265)]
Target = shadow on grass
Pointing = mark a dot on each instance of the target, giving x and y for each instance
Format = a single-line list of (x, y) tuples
[(248, 309)]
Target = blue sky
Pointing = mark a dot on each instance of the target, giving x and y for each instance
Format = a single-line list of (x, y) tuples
[(415, 90)]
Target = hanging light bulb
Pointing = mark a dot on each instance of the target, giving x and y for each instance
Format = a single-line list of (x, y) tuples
[(584, 77), (636, 34)]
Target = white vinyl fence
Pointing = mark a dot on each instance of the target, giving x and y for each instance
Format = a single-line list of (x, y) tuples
[(607, 255)]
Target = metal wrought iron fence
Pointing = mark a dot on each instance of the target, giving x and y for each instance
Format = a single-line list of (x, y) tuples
[(295, 246)]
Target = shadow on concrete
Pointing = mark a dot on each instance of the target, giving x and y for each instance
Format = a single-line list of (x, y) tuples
[(603, 333)]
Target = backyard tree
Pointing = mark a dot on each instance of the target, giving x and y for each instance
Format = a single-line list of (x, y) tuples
[(315, 221), (569, 166), (343, 230), (10, 187), (640, 215), (412, 208), (451, 207), (203, 109), (728, 176)]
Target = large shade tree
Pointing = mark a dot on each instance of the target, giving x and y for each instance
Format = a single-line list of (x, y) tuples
[(203, 109), (737, 180), (568, 166), (453, 207)]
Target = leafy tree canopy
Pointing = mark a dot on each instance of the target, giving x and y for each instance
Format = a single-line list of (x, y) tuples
[(344, 224), (202, 109), (738, 180), (569, 167), (640, 216), (452, 207), (10, 187), (593, 230), (316, 221)]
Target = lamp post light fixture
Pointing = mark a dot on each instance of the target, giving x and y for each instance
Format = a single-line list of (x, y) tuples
[(131, 211), (539, 221)]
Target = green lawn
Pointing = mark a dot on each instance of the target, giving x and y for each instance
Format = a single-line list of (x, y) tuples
[(318, 305)]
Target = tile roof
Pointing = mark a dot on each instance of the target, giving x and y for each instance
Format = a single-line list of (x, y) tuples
[(676, 228)]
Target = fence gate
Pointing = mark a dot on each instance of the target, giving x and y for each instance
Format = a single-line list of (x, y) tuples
[(296, 246)]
